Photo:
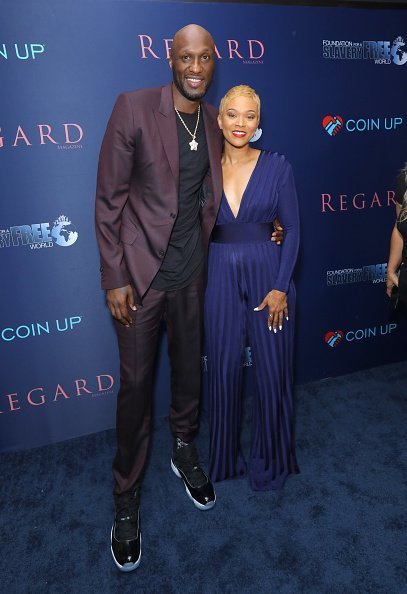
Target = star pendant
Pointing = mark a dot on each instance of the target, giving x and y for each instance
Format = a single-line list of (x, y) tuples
[(194, 145)]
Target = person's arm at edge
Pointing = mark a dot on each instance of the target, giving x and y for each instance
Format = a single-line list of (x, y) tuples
[(396, 248)]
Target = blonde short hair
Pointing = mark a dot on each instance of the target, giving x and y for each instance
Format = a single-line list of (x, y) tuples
[(238, 91)]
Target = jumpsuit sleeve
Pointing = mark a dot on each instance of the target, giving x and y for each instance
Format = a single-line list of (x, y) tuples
[(288, 215)]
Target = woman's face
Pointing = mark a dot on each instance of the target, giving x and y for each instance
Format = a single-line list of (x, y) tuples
[(239, 120)]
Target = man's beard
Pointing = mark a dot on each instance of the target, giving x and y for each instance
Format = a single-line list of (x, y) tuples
[(186, 93)]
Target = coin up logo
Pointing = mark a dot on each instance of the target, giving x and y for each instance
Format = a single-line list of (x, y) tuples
[(332, 338), (332, 124), (39, 235), (34, 329), (22, 51)]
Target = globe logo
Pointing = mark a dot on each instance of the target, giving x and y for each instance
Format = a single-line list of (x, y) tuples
[(256, 135), (63, 232), (399, 51)]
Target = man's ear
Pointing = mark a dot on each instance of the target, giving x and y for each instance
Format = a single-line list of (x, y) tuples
[(170, 60)]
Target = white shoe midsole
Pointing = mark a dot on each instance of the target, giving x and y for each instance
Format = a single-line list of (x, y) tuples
[(201, 506)]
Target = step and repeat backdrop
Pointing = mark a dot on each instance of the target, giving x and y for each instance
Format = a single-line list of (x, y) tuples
[(333, 87)]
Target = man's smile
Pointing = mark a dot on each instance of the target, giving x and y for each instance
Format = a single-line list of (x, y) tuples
[(194, 82)]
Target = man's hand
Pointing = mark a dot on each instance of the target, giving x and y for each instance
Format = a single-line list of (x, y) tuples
[(277, 235), (118, 301), (276, 302)]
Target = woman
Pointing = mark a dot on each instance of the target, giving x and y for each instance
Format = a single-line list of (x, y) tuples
[(398, 244), (250, 296)]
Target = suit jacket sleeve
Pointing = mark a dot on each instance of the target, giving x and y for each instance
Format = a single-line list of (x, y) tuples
[(112, 191)]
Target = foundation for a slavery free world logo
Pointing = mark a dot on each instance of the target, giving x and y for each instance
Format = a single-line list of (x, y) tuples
[(380, 52), (40, 235), (247, 359)]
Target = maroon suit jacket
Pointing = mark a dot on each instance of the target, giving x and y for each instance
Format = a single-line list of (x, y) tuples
[(137, 186)]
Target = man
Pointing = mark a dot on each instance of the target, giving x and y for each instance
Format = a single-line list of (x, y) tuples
[(158, 193)]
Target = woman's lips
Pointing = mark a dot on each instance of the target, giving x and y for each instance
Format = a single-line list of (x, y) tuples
[(239, 133)]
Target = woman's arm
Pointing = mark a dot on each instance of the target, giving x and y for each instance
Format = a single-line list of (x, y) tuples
[(288, 215), (396, 248), (287, 212)]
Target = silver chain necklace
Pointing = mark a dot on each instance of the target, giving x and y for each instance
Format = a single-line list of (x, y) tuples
[(193, 144)]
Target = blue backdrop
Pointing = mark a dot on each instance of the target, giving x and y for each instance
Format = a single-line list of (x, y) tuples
[(332, 83)]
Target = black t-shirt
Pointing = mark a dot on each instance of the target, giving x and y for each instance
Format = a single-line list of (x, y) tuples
[(184, 257), (401, 197)]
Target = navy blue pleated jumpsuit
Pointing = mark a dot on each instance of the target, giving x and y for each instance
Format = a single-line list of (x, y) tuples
[(243, 266)]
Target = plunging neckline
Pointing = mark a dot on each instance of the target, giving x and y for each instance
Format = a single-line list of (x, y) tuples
[(244, 191)]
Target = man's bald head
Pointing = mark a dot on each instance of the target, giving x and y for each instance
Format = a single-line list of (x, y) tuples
[(192, 62), (192, 34)]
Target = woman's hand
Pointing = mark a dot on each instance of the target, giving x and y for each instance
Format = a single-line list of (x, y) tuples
[(391, 280), (276, 301)]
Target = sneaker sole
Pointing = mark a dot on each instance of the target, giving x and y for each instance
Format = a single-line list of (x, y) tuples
[(198, 505), (127, 566)]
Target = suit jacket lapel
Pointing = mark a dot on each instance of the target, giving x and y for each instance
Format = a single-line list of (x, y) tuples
[(212, 186), (213, 139), (167, 127)]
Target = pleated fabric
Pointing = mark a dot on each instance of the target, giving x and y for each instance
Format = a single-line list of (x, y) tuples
[(239, 277)]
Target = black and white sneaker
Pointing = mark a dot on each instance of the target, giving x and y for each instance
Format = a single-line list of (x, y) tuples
[(185, 465), (125, 536)]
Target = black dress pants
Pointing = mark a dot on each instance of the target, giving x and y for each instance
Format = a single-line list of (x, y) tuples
[(182, 312)]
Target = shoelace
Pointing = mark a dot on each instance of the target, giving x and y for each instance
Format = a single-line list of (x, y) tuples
[(127, 518)]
